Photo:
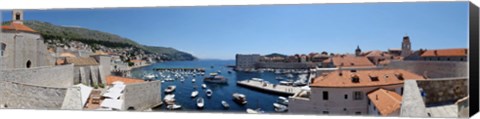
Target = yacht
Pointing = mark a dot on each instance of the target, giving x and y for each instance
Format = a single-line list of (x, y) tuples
[(239, 98), (215, 78)]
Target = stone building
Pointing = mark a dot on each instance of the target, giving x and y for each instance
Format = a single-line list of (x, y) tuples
[(247, 61), (21, 46), (346, 92), (406, 46), (455, 54)]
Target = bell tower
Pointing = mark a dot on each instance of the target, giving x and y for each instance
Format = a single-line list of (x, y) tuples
[(358, 51), (17, 16), (406, 46)]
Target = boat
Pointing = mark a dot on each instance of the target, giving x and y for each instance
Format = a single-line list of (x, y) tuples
[(170, 89), (289, 75), (193, 80), (219, 72), (174, 107), (149, 77), (278, 77), (200, 102), (282, 100), (225, 104), (169, 99), (215, 78), (287, 83), (194, 94), (257, 79), (181, 80), (256, 111), (279, 107), (209, 92), (204, 86), (240, 98)]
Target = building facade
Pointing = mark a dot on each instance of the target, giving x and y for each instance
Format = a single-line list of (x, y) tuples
[(246, 61)]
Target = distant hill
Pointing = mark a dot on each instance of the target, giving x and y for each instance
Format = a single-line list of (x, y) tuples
[(93, 37), (276, 55)]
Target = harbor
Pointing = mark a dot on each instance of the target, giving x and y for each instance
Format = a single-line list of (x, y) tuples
[(192, 90)]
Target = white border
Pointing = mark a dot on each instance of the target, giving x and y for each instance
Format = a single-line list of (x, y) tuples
[(62, 4)]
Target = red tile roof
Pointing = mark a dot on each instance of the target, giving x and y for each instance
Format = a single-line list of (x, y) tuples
[(351, 61), (385, 101), (446, 52), (125, 80), (366, 78), (18, 27)]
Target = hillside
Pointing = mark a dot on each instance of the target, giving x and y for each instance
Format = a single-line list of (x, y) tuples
[(95, 38)]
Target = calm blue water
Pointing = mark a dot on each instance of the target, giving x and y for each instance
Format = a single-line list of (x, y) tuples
[(256, 99)]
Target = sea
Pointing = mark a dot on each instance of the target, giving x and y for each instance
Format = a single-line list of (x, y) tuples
[(255, 99)]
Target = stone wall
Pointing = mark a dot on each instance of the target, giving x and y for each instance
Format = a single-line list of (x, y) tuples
[(142, 96), (444, 90), (47, 76), (22, 48), (22, 96), (284, 65), (89, 75), (433, 69)]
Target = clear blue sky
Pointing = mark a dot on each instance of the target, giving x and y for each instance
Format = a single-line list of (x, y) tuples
[(219, 32)]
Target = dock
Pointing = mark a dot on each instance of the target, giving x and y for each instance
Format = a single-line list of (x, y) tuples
[(180, 69), (268, 87)]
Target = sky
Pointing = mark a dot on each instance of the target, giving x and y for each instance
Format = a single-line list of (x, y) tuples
[(220, 32)]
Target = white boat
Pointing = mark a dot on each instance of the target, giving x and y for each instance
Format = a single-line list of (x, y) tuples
[(257, 79), (278, 77), (149, 76), (209, 92), (252, 111), (287, 83), (280, 107), (225, 104), (193, 80), (289, 75), (282, 100), (240, 98), (174, 107), (170, 89), (194, 94), (169, 99), (215, 78), (204, 86), (200, 102)]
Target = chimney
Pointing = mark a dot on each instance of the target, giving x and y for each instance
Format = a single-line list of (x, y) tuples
[(376, 97), (435, 52)]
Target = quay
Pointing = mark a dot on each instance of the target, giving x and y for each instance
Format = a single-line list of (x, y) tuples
[(268, 87), (180, 69)]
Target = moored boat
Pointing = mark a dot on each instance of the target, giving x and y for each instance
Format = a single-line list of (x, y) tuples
[(256, 111), (225, 104), (194, 94), (204, 86), (239, 98), (174, 107), (279, 107), (209, 92), (170, 89), (200, 102), (282, 100), (215, 78)]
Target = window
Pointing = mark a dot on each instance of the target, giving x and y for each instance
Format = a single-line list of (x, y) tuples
[(325, 95), (29, 64), (357, 95), (3, 46), (369, 102), (17, 16), (325, 112), (346, 96), (358, 113)]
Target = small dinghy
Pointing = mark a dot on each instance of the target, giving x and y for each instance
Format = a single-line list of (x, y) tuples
[(194, 94), (282, 100), (200, 102), (280, 107), (170, 89), (174, 107), (225, 104), (209, 92), (204, 86), (193, 80)]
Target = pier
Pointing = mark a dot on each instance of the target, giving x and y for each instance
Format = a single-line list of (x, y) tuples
[(268, 87), (180, 69)]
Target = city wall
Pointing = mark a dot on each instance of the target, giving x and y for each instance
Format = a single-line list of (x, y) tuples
[(22, 96), (47, 76), (433, 69), (444, 90), (142, 96)]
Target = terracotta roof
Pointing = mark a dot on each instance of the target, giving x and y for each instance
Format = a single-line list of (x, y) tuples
[(366, 78), (67, 54), (446, 52), (18, 27), (351, 61), (374, 53), (80, 61), (125, 80), (385, 101), (60, 61)]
